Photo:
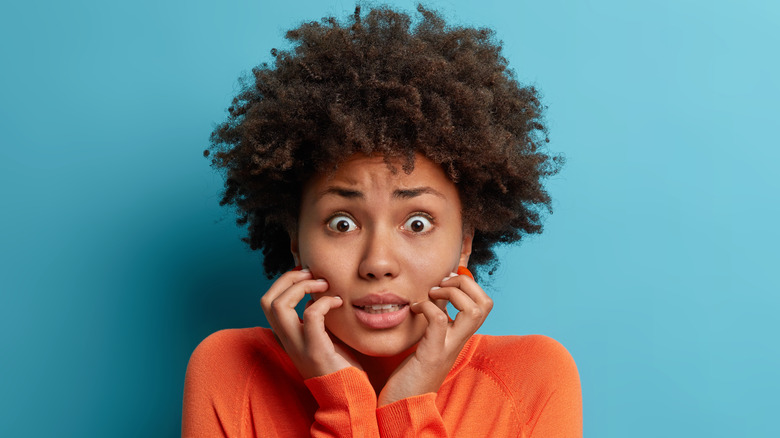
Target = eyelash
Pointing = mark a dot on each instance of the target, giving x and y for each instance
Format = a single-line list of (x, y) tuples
[(339, 214), (428, 218)]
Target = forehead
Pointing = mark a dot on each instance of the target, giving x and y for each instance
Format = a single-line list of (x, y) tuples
[(372, 173)]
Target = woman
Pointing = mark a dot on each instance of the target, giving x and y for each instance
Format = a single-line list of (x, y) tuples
[(374, 165)]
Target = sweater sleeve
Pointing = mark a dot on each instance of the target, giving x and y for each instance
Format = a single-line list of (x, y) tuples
[(347, 405), (411, 417)]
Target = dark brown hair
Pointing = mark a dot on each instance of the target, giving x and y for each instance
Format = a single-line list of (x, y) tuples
[(382, 84)]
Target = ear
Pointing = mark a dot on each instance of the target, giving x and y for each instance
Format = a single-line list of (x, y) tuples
[(465, 249), (294, 248)]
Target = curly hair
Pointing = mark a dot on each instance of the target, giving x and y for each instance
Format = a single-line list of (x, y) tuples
[(382, 83)]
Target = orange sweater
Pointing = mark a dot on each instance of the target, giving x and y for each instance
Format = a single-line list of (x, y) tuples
[(240, 383)]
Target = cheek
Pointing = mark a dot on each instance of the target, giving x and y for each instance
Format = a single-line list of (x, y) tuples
[(441, 257), (325, 261)]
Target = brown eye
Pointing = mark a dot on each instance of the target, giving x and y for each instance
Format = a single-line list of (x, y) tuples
[(418, 224), (342, 224)]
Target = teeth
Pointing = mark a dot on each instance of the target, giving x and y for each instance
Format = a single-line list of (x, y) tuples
[(382, 308)]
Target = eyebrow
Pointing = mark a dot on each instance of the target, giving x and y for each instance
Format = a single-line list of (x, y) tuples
[(398, 194), (340, 191), (415, 192)]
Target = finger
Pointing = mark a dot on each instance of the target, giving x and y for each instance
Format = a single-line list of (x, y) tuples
[(283, 307), (438, 323), (459, 299), (281, 313), (470, 316), (472, 289), (314, 332), (282, 284)]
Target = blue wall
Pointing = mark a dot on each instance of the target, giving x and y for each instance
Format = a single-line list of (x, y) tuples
[(115, 259)]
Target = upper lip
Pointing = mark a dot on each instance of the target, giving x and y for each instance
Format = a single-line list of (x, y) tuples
[(380, 298)]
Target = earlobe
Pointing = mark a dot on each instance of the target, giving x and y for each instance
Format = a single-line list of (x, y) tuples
[(465, 249)]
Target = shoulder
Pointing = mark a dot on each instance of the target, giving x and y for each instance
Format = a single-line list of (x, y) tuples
[(230, 353), (232, 343), (216, 380), (532, 360), (540, 375), (525, 350)]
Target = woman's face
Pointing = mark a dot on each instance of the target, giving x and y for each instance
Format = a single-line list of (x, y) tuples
[(382, 241)]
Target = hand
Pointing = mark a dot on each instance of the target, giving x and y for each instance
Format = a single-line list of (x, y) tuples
[(425, 370), (306, 342)]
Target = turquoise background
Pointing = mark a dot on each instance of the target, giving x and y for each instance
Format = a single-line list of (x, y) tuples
[(655, 269)]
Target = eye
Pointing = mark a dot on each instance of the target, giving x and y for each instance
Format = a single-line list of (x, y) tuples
[(342, 224), (418, 223)]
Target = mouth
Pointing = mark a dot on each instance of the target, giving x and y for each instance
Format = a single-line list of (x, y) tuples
[(380, 308), (381, 311)]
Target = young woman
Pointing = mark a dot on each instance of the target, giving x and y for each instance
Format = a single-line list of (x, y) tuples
[(375, 164)]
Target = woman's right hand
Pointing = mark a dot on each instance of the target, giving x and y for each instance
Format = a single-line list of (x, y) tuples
[(306, 342)]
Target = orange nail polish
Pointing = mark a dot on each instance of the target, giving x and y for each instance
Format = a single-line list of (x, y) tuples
[(462, 270)]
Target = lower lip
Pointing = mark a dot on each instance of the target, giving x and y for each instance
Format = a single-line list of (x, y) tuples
[(381, 321)]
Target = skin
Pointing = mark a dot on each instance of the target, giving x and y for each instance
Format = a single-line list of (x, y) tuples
[(366, 230)]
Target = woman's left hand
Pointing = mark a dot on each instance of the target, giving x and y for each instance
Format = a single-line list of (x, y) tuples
[(425, 370)]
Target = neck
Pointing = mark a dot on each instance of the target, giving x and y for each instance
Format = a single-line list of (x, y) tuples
[(380, 369)]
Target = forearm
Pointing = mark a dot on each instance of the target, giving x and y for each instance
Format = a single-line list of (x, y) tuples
[(347, 405), (348, 408), (411, 417)]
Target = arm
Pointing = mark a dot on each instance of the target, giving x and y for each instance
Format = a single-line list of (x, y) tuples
[(425, 370), (347, 407), (238, 383), (407, 405), (347, 404), (346, 399), (411, 417)]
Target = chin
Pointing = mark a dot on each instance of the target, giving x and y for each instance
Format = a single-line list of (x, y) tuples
[(385, 350), (381, 343), (376, 342)]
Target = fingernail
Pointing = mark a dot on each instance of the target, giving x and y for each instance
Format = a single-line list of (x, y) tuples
[(446, 278), (336, 296), (435, 287), (453, 274), (321, 279), (306, 270)]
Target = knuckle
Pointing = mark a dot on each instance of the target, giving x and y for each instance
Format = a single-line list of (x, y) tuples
[(266, 300), (475, 313), (311, 314), (276, 306), (440, 319)]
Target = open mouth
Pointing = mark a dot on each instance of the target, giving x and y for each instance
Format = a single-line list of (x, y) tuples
[(381, 315), (381, 308)]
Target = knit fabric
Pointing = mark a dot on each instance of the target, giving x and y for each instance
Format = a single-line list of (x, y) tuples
[(241, 383)]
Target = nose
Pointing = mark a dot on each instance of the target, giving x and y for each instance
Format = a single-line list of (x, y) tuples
[(379, 256)]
